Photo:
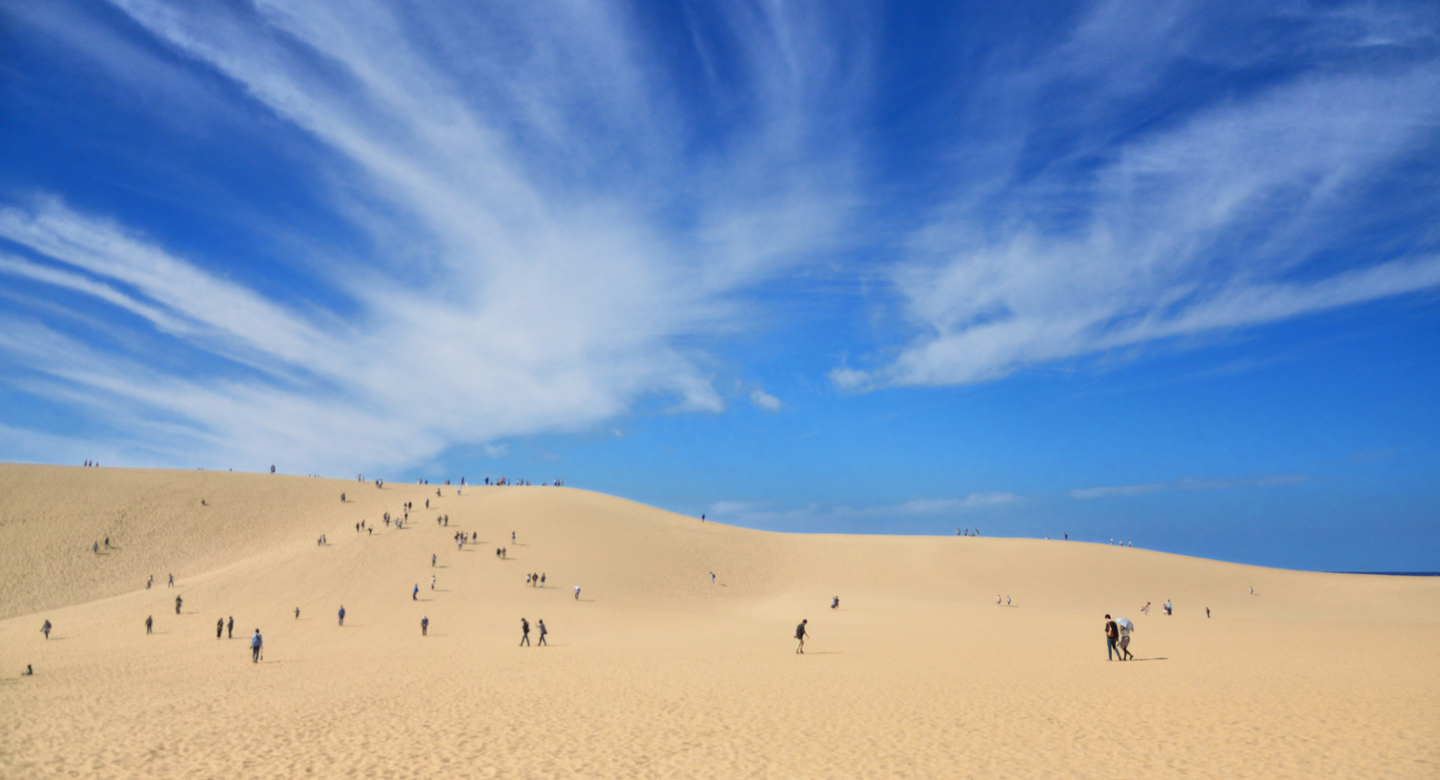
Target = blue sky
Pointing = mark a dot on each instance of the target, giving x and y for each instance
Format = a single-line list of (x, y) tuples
[(1163, 272)]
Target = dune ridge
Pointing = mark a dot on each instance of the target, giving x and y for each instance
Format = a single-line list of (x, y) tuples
[(655, 671)]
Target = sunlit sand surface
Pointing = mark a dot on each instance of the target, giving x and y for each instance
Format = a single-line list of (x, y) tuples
[(654, 671)]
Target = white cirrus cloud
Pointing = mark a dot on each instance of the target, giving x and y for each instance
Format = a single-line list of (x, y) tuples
[(1227, 217), (1191, 483), (821, 515), (547, 248), (763, 400)]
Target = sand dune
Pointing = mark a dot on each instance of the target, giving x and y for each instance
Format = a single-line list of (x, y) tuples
[(655, 671)]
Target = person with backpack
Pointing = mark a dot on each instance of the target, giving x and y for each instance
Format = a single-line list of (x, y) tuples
[(800, 634), (1112, 636)]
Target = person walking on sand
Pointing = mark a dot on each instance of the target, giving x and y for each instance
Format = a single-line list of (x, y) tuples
[(1169, 608), (425, 626), (178, 602), (1112, 636), (577, 592), (149, 623), (542, 579), (230, 628), (45, 629), (256, 643), (1146, 609), (524, 632), (219, 628), (800, 634), (297, 613), (342, 615), (432, 560), (835, 602), (150, 582), (1125, 641), (543, 632), (171, 584), (1207, 613), (415, 594), (712, 578), (432, 582)]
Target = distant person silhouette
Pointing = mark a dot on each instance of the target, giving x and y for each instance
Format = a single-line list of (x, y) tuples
[(424, 626), (45, 629), (256, 643), (149, 622), (342, 615), (524, 632), (543, 632)]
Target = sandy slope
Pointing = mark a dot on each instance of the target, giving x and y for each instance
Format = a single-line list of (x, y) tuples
[(655, 672)]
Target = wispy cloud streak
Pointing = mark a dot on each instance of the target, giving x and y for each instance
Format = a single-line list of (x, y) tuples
[(547, 244), (823, 516), (1228, 213), (1191, 483)]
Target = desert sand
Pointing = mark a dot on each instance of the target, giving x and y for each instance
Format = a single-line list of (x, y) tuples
[(655, 671)]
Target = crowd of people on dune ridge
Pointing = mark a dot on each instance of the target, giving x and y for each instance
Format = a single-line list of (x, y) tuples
[(1118, 631)]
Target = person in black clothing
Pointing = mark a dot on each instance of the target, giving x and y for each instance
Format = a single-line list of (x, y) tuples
[(178, 602), (425, 626), (1112, 635), (543, 632), (230, 628), (524, 632), (800, 634), (149, 622), (219, 627)]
